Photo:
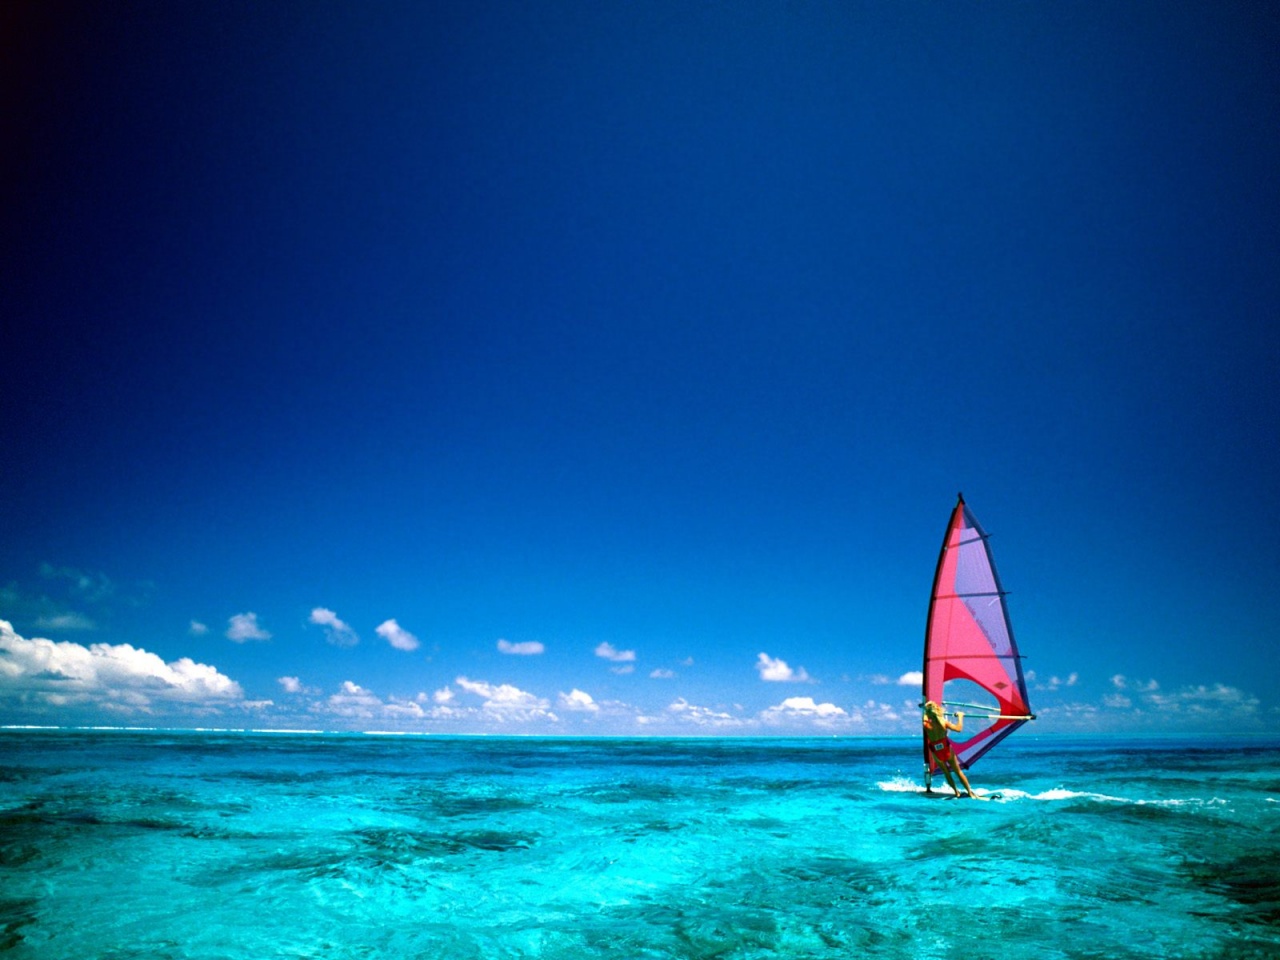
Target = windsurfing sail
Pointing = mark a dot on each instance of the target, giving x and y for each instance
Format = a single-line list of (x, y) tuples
[(969, 651)]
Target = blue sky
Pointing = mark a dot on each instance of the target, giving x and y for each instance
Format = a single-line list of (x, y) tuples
[(612, 368)]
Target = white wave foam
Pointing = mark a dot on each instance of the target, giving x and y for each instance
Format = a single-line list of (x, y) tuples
[(904, 785), (900, 785), (1058, 794)]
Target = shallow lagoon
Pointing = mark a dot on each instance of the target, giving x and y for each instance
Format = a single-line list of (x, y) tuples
[(151, 844)]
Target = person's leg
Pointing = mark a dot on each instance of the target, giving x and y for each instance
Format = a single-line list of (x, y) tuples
[(946, 770), (955, 762)]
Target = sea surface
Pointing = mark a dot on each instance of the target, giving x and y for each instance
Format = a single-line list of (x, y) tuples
[(242, 846)]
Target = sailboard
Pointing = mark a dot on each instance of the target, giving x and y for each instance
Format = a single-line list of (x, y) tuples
[(971, 662)]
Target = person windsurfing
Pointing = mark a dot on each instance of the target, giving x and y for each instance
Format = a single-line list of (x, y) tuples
[(936, 726)]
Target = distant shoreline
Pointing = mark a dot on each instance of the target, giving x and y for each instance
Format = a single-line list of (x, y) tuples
[(1023, 741)]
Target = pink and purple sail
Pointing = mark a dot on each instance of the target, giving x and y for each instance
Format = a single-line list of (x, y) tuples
[(969, 639)]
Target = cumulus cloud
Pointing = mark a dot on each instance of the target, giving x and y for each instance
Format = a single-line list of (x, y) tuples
[(606, 651), (662, 674), (401, 709), (687, 712), (777, 671), (527, 648), (244, 626), (578, 701), (198, 629), (444, 695), (1121, 682), (804, 710), (115, 677), (1072, 716), (1054, 682), (912, 678), (353, 702), (807, 706), (1219, 698), (1205, 706), (295, 685), (874, 714), (359, 705), (335, 631), (1118, 700), (397, 636), (507, 702)]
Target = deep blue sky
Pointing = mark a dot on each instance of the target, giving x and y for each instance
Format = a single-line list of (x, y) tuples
[(669, 326)]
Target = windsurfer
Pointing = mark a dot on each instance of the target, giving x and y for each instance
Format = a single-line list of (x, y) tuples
[(936, 726)]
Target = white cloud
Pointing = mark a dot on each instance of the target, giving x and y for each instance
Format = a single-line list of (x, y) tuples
[(806, 705), (912, 678), (1121, 682), (353, 702), (359, 705), (294, 685), (662, 674), (198, 629), (804, 710), (397, 636), (527, 648), (687, 712), (336, 632), (444, 695), (882, 716), (607, 652), (506, 701), (777, 671), (1054, 682), (1216, 699), (116, 677), (578, 701), (244, 626), (623, 670), (1145, 704), (1074, 716), (400, 709)]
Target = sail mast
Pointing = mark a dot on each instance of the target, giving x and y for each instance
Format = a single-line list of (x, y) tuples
[(928, 630)]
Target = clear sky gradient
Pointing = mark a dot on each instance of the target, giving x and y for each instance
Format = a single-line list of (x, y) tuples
[(612, 368)]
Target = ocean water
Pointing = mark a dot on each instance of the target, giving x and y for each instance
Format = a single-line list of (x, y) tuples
[(205, 845)]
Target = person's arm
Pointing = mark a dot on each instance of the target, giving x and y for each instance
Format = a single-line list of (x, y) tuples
[(958, 726)]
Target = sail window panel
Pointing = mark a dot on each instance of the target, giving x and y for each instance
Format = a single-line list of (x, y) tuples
[(973, 571), (988, 613)]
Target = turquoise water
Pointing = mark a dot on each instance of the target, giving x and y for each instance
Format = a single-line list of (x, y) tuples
[(116, 844)]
